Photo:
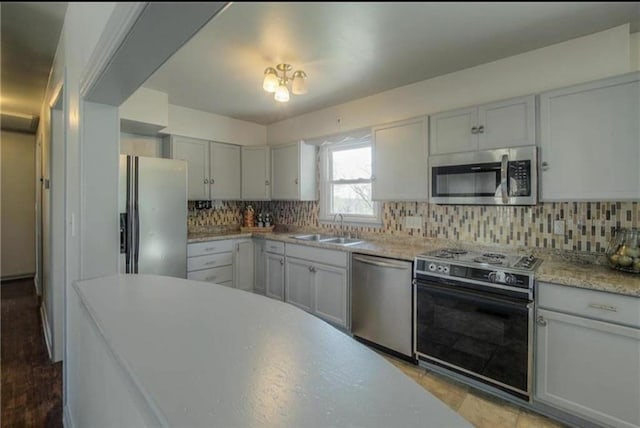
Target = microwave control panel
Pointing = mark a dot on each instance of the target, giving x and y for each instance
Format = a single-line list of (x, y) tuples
[(520, 178)]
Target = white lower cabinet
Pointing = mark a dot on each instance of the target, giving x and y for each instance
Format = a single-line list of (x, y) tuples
[(274, 275), (258, 266), (589, 367), (243, 265), (317, 281), (299, 282)]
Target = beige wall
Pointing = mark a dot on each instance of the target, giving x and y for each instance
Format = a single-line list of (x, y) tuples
[(140, 145), (18, 204), (592, 57)]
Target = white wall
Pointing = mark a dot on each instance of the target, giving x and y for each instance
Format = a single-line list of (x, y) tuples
[(146, 105), (140, 145), (199, 124), (18, 204), (579, 60), (635, 51)]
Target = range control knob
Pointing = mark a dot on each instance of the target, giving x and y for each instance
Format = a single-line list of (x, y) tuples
[(432, 267), (445, 269)]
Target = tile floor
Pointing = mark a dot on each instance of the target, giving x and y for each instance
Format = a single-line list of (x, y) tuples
[(482, 410)]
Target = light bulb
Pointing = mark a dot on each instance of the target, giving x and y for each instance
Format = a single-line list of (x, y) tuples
[(282, 94), (299, 85), (271, 81)]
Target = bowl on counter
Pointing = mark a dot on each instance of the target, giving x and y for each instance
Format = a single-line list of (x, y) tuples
[(624, 250)]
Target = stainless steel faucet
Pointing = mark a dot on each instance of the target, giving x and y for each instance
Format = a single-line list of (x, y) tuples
[(341, 222)]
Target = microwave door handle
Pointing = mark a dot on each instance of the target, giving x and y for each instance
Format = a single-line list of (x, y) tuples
[(503, 178)]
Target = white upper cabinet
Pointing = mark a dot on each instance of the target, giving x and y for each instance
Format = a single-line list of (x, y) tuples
[(224, 176), (590, 141), (293, 172), (196, 153), (213, 169), (451, 132), (501, 124), (256, 173), (400, 161)]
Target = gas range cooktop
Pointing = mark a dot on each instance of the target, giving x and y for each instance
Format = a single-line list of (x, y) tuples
[(482, 259)]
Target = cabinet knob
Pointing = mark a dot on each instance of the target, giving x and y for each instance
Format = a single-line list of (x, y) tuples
[(481, 129), (211, 180), (545, 166), (541, 321), (474, 130), (373, 178), (206, 181), (296, 181), (281, 262), (266, 182)]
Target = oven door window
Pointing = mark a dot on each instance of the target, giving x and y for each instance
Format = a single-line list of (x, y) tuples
[(466, 180), (488, 336)]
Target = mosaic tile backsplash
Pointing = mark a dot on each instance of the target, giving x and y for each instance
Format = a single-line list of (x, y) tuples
[(588, 225)]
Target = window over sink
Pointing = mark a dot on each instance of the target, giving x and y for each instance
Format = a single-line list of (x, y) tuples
[(346, 179)]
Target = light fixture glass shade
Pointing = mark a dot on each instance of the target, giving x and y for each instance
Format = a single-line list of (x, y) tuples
[(271, 81), (299, 84), (282, 94)]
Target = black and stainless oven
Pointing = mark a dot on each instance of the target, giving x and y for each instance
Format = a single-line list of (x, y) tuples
[(476, 320), (491, 177)]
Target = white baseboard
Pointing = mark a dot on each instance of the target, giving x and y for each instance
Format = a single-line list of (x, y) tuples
[(67, 420), (47, 331)]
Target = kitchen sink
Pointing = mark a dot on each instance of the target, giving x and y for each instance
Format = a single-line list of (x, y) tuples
[(315, 237), (343, 241), (328, 239)]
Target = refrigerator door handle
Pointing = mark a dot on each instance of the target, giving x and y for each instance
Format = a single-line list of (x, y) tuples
[(129, 217), (136, 216)]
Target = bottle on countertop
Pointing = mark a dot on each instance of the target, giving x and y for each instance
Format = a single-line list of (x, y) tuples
[(260, 220), (267, 220)]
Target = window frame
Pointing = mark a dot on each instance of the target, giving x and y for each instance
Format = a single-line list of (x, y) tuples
[(326, 184)]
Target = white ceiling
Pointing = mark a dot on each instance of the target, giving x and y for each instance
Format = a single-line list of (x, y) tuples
[(351, 50), (29, 33)]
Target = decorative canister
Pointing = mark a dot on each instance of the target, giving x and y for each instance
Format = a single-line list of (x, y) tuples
[(249, 217), (624, 250)]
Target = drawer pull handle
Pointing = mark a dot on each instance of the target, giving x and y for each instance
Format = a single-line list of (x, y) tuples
[(210, 249), (210, 263), (603, 307), (210, 278)]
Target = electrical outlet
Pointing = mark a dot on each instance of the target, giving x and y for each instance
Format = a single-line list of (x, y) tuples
[(413, 222), (558, 227)]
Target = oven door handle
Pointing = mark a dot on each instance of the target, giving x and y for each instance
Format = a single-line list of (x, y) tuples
[(481, 298)]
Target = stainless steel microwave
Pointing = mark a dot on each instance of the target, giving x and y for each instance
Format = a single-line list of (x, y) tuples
[(491, 177)]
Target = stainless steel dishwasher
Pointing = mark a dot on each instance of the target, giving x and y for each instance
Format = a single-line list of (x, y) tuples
[(381, 302)]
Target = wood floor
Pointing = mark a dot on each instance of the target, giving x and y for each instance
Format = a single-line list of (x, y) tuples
[(31, 394)]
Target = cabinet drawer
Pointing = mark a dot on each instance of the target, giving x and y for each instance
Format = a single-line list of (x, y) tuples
[(217, 275), (211, 247), (209, 261), (590, 303), (274, 247), (318, 255)]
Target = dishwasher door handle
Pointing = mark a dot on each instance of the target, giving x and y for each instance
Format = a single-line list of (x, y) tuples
[(374, 262)]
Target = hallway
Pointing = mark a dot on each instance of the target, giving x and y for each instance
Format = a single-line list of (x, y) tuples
[(31, 394)]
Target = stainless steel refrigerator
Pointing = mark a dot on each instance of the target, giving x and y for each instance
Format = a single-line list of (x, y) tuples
[(153, 216)]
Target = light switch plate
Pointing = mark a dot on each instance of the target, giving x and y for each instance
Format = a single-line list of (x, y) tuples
[(413, 222), (558, 227)]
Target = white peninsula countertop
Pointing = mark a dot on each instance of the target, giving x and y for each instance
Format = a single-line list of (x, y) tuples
[(203, 355)]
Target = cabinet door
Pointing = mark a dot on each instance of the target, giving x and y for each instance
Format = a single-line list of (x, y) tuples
[(299, 283), (225, 171), (256, 174), (243, 265), (285, 162), (274, 276), (259, 269), (451, 132), (507, 123), (587, 367), (331, 294), (400, 162), (196, 153), (590, 141)]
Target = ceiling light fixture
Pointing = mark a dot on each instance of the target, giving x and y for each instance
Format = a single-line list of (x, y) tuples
[(278, 83)]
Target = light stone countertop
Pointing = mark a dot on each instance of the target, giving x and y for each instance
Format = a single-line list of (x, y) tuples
[(582, 270), (205, 355)]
